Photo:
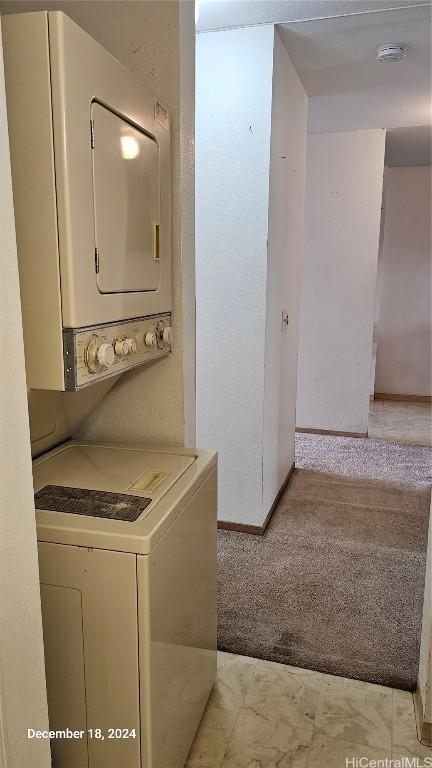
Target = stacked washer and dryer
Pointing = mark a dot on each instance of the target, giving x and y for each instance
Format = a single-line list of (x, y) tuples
[(126, 533)]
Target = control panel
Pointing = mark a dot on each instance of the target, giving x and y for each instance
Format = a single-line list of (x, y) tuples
[(98, 352)]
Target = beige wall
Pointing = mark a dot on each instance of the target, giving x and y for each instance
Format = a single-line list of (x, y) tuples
[(155, 40), (187, 196), (22, 678)]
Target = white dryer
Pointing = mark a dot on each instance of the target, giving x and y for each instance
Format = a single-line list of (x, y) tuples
[(127, 556), (90, 157)]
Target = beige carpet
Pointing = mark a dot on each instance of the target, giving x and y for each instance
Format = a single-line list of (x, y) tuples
[(336, 583)]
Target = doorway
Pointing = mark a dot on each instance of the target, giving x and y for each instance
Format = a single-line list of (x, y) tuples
[(400, 408)]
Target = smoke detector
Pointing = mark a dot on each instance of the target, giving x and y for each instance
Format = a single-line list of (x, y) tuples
[(391, 52)]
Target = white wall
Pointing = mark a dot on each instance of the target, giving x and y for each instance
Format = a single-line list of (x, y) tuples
[(284, 265), (403, 331), (233, 124), (251, 110), (342, 224), (22, 678)]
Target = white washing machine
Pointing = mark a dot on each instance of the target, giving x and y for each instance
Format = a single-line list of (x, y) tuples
[(127, 557)]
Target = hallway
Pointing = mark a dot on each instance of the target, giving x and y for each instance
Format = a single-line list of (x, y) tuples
[(336, 583)]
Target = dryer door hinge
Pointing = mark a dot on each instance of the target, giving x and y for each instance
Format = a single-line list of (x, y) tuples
[(97, 260), (92, 138)]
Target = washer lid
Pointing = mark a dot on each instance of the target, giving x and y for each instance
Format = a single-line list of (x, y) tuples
[(118, 470)]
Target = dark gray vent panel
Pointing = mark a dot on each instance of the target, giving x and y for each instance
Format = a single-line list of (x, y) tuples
[(91, 503)]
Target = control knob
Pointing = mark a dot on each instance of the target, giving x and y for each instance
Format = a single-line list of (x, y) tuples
[(150, 338), (167, 335), (121, 348), (131, 346), (105, 355)]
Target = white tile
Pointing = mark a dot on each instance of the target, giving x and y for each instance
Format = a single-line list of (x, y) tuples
[(212, 738), (226, 658), (326, 752), (360, 715), (279, 694), (233, 679), (261, 743)]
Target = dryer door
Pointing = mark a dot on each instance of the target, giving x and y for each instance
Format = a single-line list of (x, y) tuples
[(126, 204)]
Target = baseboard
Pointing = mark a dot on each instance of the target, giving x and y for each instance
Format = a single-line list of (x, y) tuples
[(331, 432), (424, 729), (405, 398), (258, 530)]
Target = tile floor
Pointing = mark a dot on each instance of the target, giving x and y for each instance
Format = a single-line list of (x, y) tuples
[(267, 715), (401, 421)]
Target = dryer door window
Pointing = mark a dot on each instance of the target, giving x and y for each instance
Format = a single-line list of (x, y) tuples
[(126, 205)]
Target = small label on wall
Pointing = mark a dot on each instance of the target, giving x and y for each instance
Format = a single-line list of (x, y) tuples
[(161, 114)]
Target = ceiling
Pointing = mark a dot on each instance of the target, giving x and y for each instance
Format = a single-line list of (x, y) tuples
[(409, 146), (335, 60), (222, 14), (332, 46)]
